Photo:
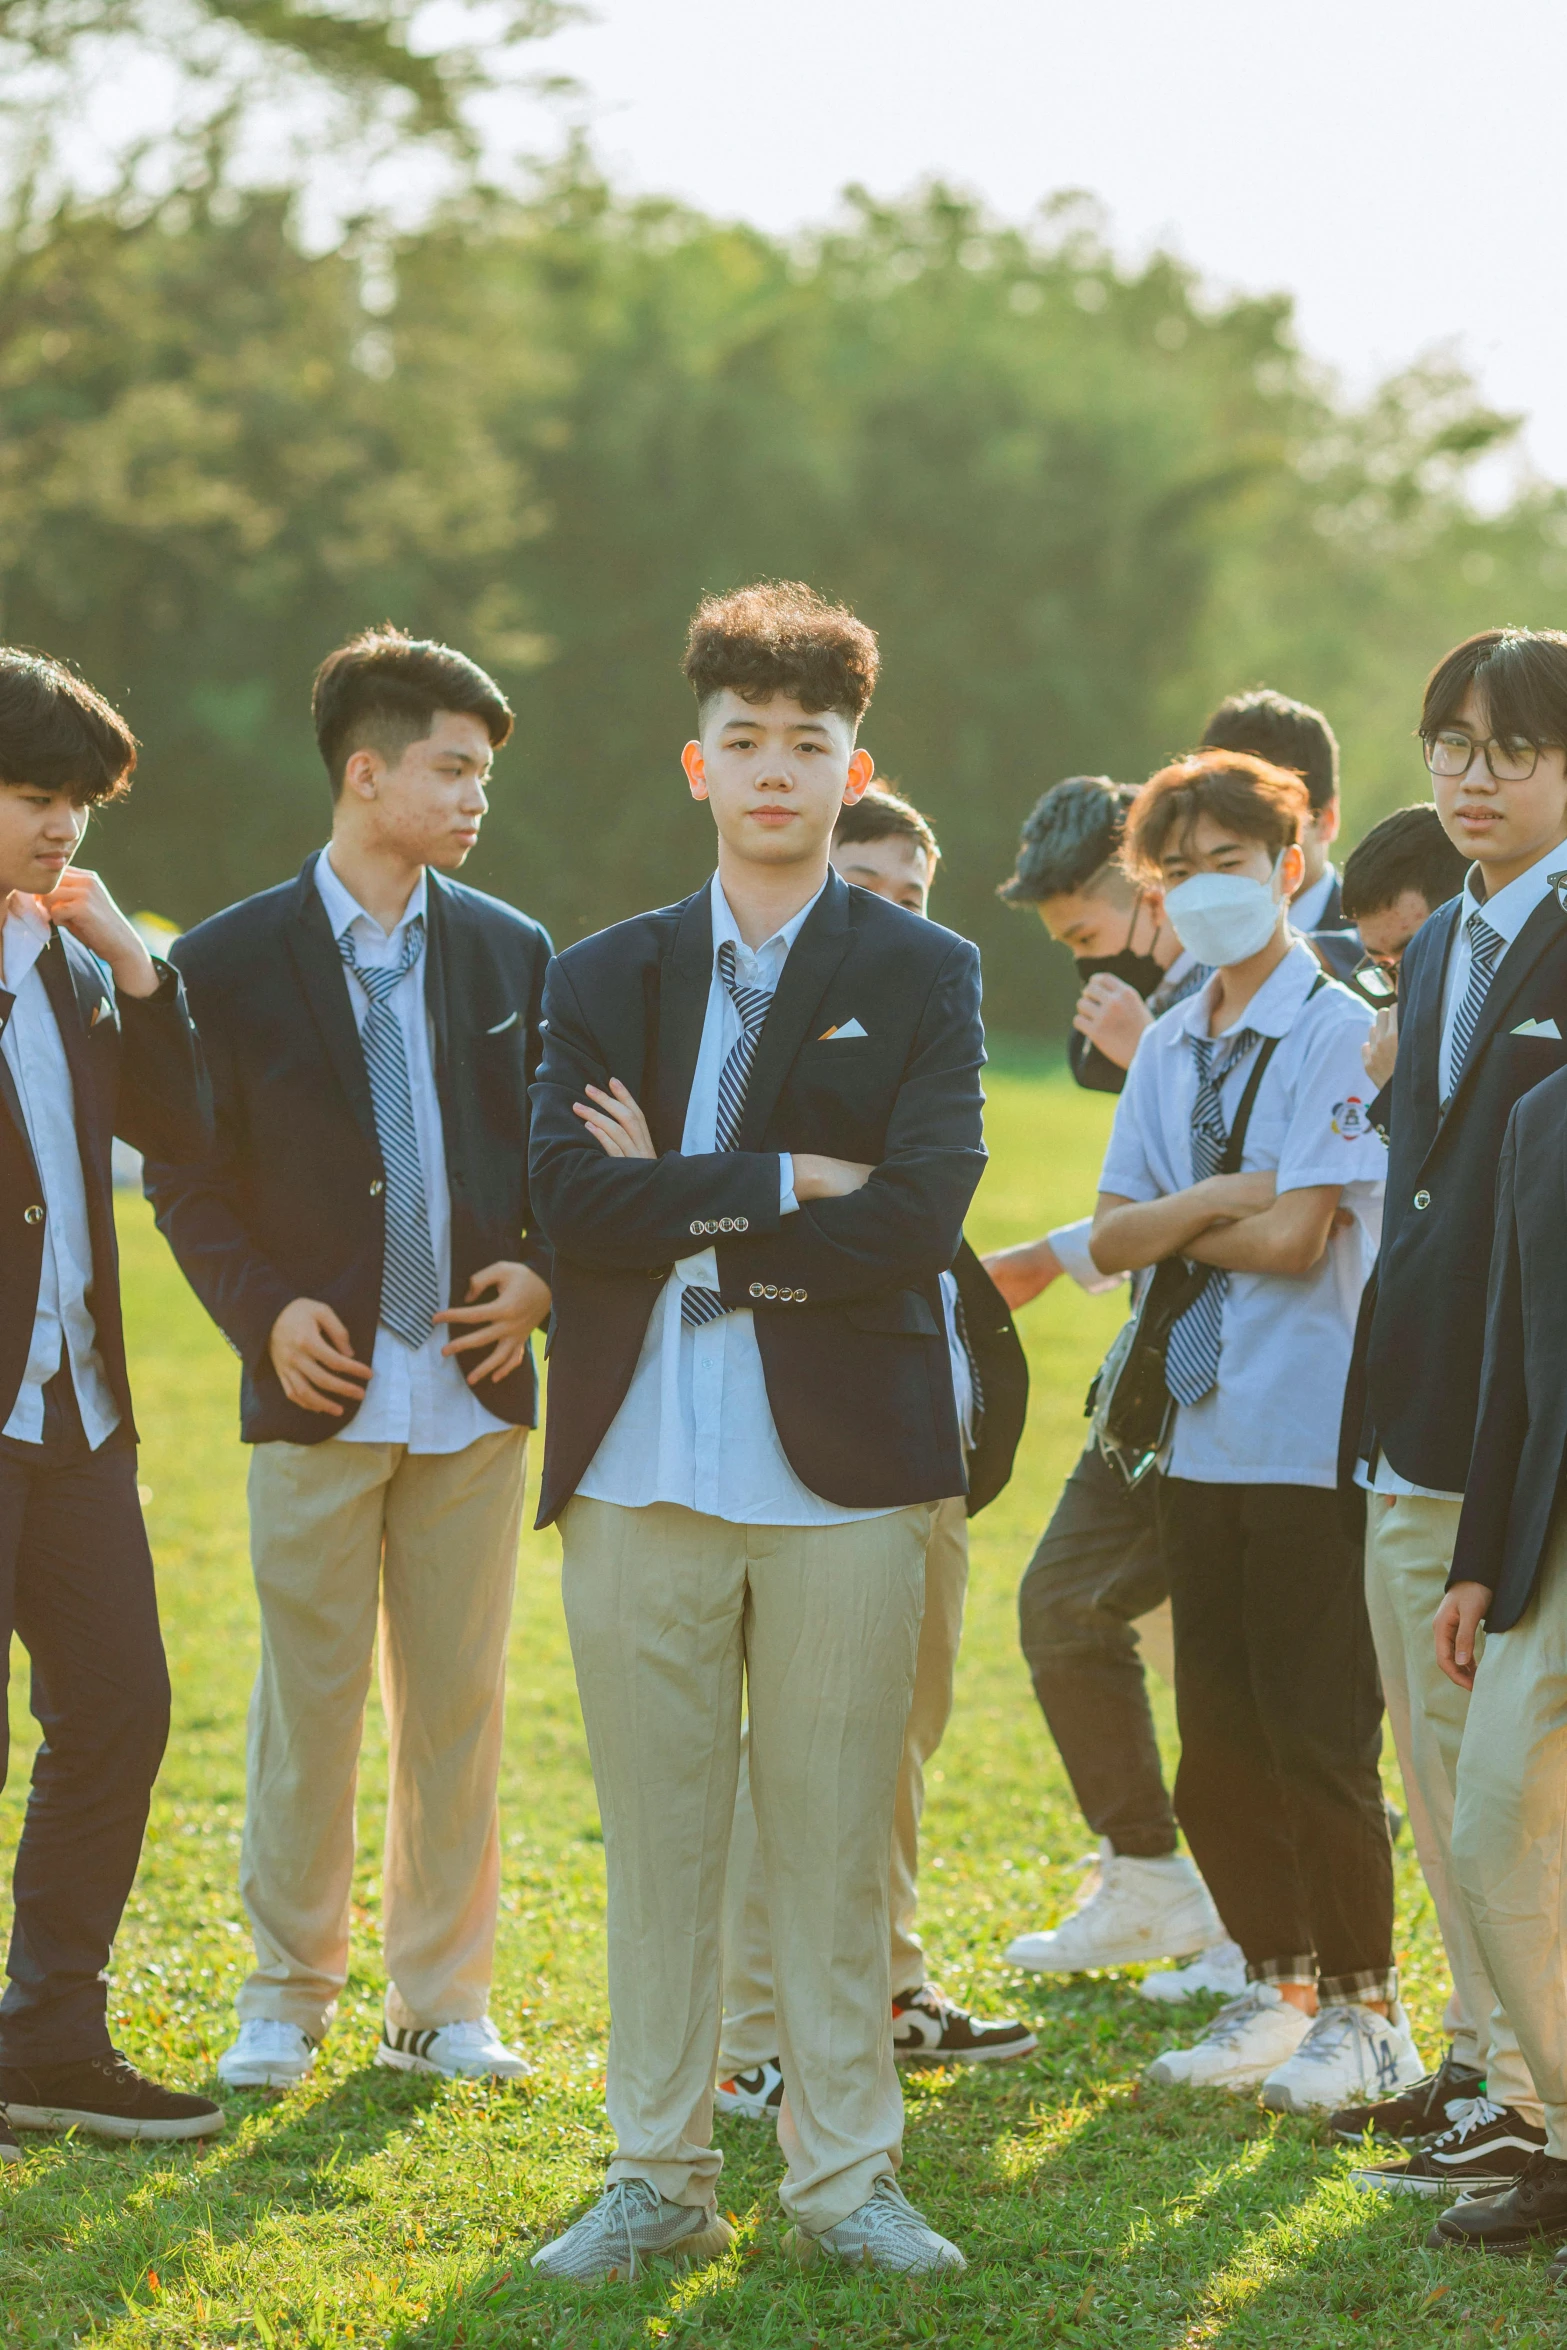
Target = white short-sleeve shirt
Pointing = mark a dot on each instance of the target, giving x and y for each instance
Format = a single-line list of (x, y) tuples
[(1273, 1417)]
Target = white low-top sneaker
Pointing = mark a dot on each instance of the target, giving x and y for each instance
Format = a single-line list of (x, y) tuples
[(630, 2226), (458, 2052), (886, 2232), (1129, 1913), (757, 2094), (1246, 2042), (1349, 2054), (1221, 1969), (267, 2055)]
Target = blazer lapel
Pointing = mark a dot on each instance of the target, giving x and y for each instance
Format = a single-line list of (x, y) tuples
[(8, 1093), (1544, 927), (325, 985), (813, 959), (685, 982), (445, 976), (75, 994), (1428, 1032)]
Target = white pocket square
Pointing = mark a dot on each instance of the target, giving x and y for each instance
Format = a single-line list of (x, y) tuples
[(1538, 1028), (849, 1028), (501, 1026), (102, 1010)]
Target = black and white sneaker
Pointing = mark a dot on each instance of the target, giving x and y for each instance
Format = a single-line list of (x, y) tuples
[(928, 2029), (755, 2095), (10, 2151), (1487, 2149), (107, 2097), (1423, 2110)]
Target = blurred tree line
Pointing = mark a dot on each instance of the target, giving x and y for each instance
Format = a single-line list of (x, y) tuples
[(1079, 500)]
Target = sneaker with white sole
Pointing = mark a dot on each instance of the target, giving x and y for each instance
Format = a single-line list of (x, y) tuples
[(756, 2095), (267, 2055), (458, 2052), (628, 2228), (1221, 1969), (1350, 2052), (1129, 1913), (929, 2028), (1487, 2150), (1247, 2040), (886, 2233)]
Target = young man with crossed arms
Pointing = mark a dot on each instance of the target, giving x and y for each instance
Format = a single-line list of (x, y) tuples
[(756, 1134)]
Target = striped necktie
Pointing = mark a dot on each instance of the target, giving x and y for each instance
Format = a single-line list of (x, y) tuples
[(1191, 1355), (705, 1305), (410, 1292), (1485, 952)]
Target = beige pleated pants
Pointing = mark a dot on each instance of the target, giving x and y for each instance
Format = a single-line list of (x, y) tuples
[(1409, 1551), (668, 1612), (343, 1537), (750, 2029), (1510, 1828)]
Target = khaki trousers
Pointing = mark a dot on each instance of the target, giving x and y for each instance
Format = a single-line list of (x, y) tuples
[(1409, 1550), (750, 2030), (667, 1611), (341, 1536), (1510, 1828)]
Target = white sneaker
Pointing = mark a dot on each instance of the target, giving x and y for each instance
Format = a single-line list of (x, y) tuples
[(1246, 2042), (629, 2228), (1223, 1969), (757, 2094), (267, 2055), (886, 2232), (458, 2052), (1129, 1913), (1350, 2054)]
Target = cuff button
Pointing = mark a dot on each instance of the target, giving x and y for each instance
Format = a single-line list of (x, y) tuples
[(770, 1290), (757, 1290), (726, 1223), (742, 1223)]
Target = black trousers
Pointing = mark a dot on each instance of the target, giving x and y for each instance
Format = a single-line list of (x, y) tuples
[(76, 1587), (1098, 1566), (1281, 1727)]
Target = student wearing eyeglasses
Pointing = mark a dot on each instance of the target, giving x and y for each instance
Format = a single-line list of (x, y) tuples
[(1483, 1018), (1394, 880)]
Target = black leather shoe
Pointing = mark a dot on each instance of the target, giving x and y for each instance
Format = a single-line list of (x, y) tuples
[(106, 2096), (1420, 2111), (1534, 2211)]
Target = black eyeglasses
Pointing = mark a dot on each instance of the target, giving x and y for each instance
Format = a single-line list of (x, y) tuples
[(1451, 751)]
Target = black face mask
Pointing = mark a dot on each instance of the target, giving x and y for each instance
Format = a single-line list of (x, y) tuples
[(1144, 972)]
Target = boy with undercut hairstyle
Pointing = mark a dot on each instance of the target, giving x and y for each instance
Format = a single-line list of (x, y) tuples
[(1276, 1686), (756, 1133)]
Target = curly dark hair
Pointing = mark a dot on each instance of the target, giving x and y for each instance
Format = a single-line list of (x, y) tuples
[(779, 636)]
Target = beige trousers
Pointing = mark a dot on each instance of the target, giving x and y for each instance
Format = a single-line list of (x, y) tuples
[(1510, 1828), (341, 1536), (750, 2030), (1409, 1550), (668, 1610)]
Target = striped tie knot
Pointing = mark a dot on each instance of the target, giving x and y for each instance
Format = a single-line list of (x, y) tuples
[(1191, 1358), (705, 1305), (379, 979), (1485, 952)]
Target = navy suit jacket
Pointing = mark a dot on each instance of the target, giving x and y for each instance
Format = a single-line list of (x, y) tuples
[(846, 1292), (289, 1201), (1414, 1381), (1521, 1434), (136, 1071), (1001, 1368)]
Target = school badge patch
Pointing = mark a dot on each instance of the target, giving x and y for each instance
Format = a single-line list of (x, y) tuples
[(1350, 1120)]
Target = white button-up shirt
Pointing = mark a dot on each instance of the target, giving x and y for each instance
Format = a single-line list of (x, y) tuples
[(1308, 906), (696, 1427), (1273, 1418), (62, 1324), (417, 1396)]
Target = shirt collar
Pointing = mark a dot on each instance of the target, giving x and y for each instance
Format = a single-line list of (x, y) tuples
[(726, 927), (1512, 906), (1274, 1008), (343, 909), (27, 931), (1315, 899)]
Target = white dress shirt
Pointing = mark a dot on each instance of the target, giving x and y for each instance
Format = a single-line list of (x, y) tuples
[(1308, 905), (417, 1396), (63, 1323), (696, 1427)]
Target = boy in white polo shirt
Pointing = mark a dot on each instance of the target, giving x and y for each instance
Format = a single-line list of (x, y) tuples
[(1276, 1683)]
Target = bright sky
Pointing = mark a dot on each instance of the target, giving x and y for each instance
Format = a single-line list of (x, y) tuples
[(1397, 165)]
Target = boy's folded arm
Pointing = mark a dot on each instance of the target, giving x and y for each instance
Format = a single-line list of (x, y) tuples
[(1288, 1237), (1129, 1234)]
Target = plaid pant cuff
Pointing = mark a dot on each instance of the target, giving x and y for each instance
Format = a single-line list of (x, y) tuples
[(1302, 1968), (1354, 1990)]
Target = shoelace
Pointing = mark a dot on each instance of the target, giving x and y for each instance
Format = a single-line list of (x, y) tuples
[(1328, 2033), (1476, 2113), (1234, 2016), (620, 2202)]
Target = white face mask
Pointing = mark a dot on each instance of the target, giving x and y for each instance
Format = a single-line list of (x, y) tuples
[(1224, 917)]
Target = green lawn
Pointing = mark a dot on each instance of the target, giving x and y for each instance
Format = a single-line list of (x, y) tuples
[(372, 2208)]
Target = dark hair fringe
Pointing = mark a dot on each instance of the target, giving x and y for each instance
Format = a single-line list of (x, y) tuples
[(1258, 800), (58, 733), (383, 690), (1284, 733), (780, 637), (1519, 673), (1406, 850), (882, 813)]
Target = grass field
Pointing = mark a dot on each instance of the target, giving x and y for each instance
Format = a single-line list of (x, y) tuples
[(372, 2208)]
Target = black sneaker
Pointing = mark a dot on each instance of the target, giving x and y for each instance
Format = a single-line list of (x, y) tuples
[(1531, 2211), (10, 2151), (1487, 2149), (1421, 2111), (106, 2096), (928, 2029)]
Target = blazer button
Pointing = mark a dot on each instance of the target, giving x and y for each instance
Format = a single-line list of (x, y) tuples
[(799, 1297), (726, 1223), (376, 1188), (742, 1223), (770, 1290), (757, 1290), (32, 1215), (696, 1229), (1422, 1199)]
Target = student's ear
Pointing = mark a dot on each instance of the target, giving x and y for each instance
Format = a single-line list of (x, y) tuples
[(695, 765), (861, 768), (1326, 821), (1292, 872), (362, 774)]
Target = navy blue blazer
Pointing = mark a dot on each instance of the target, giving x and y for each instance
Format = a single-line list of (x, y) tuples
[(1414, 1380), (136, 1071), (289, 1200), (846, 1292), (1521, 1433)]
